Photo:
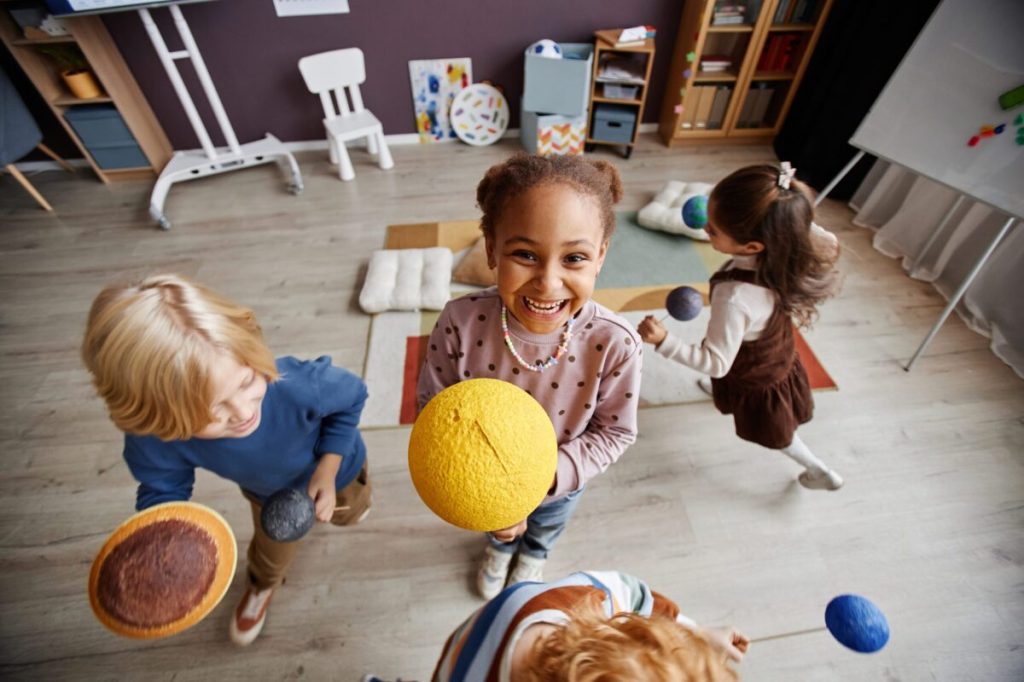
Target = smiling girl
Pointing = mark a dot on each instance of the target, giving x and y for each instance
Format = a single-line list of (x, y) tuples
[(547, 223)]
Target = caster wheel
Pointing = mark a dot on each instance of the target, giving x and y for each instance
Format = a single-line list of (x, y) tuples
[(295, 188), (163, 223)]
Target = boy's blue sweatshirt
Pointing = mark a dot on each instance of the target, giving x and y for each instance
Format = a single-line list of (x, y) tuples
[(312, 409)]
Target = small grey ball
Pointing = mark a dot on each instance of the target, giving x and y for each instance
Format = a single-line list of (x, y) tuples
[(287, 515)]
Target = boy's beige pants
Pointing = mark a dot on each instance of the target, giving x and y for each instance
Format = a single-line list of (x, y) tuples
[(269, 560)]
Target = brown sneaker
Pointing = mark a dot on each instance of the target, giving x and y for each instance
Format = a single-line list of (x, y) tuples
[(250, 615)]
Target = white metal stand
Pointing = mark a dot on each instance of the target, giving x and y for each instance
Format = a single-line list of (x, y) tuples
[(191, 165)]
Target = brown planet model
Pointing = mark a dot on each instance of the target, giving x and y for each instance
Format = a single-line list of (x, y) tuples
[(162, 570)]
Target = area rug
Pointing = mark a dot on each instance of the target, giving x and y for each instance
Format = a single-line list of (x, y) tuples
[(632, 283)]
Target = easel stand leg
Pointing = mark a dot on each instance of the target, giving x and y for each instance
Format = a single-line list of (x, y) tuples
[(955, 298), (935, 235), (192, 165), (842, 174)]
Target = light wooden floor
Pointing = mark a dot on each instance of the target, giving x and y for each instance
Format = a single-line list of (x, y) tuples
[(930, 524)]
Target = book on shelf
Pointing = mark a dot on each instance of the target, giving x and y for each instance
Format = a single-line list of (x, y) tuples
[(763, 98), (703, 108), (614, 37), (780, 12), (715, 62), (728, 14), (622, 70), (690, 98), (718, 106), (778, 52)]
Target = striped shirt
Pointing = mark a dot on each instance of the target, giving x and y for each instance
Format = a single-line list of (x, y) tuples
[(480, 650)]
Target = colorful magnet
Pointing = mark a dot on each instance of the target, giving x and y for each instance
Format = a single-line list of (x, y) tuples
[(687, 73), (973, 141), (1000, 128), (678, 109), (691, 56)]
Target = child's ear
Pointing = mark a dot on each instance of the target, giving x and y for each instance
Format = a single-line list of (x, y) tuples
[(750, 248), (489, 244)]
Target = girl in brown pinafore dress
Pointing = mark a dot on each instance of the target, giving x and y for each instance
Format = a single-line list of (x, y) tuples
[(782, 267)]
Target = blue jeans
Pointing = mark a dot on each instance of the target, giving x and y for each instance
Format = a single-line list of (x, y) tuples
[(543, 527)]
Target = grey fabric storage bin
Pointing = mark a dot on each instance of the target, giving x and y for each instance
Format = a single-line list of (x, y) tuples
[(120, 156), (105, 135), (559, 86), (99, 124), (613, 123)]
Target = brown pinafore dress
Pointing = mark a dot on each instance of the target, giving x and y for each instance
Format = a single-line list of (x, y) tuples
[(766, 389)]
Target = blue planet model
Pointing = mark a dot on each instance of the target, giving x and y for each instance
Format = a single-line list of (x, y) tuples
[(857, 623)]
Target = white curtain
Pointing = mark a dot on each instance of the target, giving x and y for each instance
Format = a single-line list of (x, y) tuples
[(906, 211)]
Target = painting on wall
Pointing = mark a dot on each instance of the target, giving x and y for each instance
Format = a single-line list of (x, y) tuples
[(435, 82)]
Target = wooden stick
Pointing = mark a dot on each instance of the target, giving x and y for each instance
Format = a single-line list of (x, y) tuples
[(788, 634), (49, 152), (23, 181), (343, 507)]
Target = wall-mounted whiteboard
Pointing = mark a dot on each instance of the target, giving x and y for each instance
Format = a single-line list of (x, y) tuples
[(944, 90)]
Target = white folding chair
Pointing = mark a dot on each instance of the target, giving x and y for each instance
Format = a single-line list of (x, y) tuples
[(340, 72)]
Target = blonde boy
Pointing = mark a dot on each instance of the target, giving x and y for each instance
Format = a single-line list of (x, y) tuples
[(186, 375)]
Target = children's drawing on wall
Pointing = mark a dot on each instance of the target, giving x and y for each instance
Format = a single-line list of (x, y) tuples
[(435, 82)]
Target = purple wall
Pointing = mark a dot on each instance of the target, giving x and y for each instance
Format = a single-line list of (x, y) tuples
[(252, 54)]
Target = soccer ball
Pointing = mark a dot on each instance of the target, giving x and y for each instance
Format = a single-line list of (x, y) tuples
[(545, 48)]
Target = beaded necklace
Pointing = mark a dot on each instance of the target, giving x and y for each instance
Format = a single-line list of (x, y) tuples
[(551, 361)]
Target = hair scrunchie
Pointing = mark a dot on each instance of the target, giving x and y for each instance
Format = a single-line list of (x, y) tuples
[(786, 173)]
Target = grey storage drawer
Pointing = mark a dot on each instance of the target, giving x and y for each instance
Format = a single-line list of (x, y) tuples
[(613, 123), (105, 135), (559, 86)]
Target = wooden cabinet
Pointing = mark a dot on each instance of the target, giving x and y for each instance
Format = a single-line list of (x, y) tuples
[(736, 67), (618, 90), (120, 90)]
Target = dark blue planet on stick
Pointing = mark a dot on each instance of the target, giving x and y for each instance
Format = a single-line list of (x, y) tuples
[(684, 303), (857, 623), (287, 515)]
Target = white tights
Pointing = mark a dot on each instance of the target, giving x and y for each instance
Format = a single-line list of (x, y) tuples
[(802, 455)]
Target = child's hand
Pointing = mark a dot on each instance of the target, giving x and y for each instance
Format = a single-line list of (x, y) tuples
[(511, 533), (729, 641), (321, 486), (651, 330)]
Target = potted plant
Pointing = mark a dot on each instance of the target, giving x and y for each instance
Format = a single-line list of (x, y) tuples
[(74, 69)]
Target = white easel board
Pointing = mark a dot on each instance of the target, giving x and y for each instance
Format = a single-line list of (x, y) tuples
[(944, 90)]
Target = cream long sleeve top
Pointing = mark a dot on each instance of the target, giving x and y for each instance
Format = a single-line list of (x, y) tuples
[(739, 312)]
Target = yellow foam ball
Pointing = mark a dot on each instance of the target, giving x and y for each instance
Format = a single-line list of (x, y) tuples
[(482, 454)]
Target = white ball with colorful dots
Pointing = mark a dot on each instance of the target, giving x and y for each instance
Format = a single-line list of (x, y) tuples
[(545, 48)]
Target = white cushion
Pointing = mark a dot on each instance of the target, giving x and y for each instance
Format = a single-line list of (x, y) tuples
[(665, 212), (407, 279)]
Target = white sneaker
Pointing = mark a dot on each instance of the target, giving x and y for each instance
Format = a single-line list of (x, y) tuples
[(249, 616), (704, 383), (820, 480), (529, 569), (490, 579)]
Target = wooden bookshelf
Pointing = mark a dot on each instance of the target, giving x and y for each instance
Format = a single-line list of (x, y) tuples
[(768, 51), (110, 69)]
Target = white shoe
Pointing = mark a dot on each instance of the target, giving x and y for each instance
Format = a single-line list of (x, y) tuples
[(529, 569), (490, 579), (704, 383), (250, 615), (820, 480)]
